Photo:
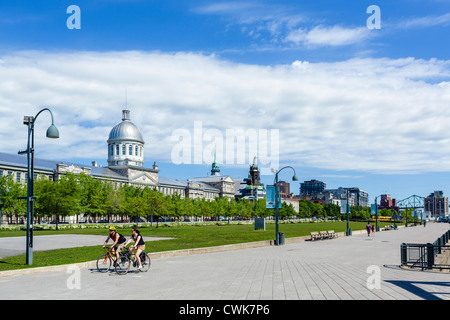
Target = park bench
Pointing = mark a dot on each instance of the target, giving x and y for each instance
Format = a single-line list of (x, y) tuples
[(315, 235), (323, 235), (332, 234)]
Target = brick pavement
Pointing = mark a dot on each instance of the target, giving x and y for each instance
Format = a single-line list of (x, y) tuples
[(320, 270)]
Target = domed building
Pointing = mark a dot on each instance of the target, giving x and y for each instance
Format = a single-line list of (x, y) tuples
[(125, 144), (125, 167), (126, 153), (126, 157)]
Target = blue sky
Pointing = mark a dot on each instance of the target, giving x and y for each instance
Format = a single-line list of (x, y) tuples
[(244, 31), (353, 106)]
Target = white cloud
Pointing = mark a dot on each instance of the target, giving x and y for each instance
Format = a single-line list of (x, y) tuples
[(328, 36), (256, 19), (377, 115), (426, 21)]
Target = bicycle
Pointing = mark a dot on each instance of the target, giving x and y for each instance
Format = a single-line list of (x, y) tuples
[(128, 258), (121, 265)]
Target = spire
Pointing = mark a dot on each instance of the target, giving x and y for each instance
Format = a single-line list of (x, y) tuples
[(215, 169), (254, 166)]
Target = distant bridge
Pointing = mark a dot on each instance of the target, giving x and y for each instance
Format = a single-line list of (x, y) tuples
[(413, 201)]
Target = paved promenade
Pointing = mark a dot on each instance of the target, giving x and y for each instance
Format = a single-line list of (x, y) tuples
[(348, 268)]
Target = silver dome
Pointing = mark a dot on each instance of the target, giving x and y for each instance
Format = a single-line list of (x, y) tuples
[(125, 130)]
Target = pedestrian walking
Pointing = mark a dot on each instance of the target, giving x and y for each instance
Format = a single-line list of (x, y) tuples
[(368, 228)]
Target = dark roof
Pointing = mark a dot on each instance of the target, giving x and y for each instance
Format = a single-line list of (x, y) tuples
[(183, 183), (20, 161), (50, 166)]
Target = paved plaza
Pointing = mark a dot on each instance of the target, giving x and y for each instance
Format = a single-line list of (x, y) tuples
[(347, 268)]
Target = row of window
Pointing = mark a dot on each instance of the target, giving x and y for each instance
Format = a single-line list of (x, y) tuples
[(181, 192), (17, 174), (126, 150), (166, 190)]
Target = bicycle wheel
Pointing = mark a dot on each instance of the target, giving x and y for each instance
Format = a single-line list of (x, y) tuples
[(145, 261), (122, 265), (103, 263)]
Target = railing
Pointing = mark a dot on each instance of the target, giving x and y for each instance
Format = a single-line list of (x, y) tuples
[(424, 255)]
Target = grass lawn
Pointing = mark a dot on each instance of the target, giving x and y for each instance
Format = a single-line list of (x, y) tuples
[(184, 237)]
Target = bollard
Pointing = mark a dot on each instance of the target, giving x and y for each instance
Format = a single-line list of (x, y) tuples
[(403, 254), (430, 256), (281, 238)]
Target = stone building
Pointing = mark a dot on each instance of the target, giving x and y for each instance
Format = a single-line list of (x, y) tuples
[(125, 166)]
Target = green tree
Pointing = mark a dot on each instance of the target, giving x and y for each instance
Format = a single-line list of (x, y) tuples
[(59, 198), (332, 210), (158, 204), (11, 206), (385, 212), (260, 209), (92, 196), (287, 211), (113, 199)]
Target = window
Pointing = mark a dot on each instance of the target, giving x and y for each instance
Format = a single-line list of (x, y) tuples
[(18, 176), (136, 151), (124, 149), (117, 149), (130, 150)]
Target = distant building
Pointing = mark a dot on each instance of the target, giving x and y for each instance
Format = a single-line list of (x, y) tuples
[(314, 198), (436, 204), (333, 195), (361, 196), (311, 187), (316, 192), (284, 189), (125, 167), (251, 187), (386, 202)]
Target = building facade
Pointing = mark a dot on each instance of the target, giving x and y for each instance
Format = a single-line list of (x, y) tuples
[(386, 202), (251, 187), (312, 187), (316, 192), (436, 204), (125, 167)]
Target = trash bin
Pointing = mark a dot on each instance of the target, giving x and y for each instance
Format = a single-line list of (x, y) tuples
[(281, 238)]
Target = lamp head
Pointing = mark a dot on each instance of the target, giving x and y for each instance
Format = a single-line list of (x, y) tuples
[(294, 178), (52, 132)]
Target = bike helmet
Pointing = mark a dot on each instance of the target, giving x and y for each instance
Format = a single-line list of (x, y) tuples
[(112, 228)]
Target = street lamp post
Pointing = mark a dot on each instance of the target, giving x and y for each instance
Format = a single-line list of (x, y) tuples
[(395, 218), (376, 215), (347, 206), (294, 178), (52, 132)]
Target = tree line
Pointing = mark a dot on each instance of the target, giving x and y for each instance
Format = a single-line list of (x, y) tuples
[(84, 196)]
